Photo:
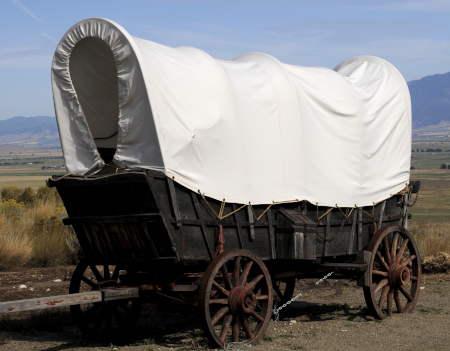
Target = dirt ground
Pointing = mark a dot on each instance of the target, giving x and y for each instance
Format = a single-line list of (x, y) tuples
[(332, 317)]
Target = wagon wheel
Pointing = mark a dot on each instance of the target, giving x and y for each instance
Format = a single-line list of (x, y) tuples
[(227, 301), (102, 320), (284, 290), (395, 272)]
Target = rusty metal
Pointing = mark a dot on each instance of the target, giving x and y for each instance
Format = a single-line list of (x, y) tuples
[(174, 298), (389, 275), (235, 300), (220, 240)]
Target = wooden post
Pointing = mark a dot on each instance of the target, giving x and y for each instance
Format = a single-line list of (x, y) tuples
[(250, 222), (360, 227), (238, 226), (273, 253), (173, 197), (352, 234), (380, 221), (203, 225), (326, 244), (405, 211)]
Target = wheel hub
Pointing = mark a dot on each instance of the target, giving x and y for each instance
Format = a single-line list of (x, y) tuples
[(242, 300), (399, 275)]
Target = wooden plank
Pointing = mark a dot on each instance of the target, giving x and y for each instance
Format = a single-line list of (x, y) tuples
[(360, 227), (49, 302), (119, 294), (166, 217), (238, 226), (173, 197), (141, 217), (250, 221), (203, 225), (382, 207), (327, 234), (273, 253), (352, 234)]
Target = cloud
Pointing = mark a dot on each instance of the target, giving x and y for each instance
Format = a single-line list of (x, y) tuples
[(419, 6), (47, 36), (27, 10)]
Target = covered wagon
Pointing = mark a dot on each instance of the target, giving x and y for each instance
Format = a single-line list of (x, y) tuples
[(227, 180)]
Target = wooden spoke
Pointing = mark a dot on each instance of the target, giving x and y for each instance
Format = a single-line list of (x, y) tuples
[(401, 250), (106, 273), (125, 308), (245, 272), (397, 301), (408, 260), (383, 296), (256, 316), (394, 248), (237, 268), (384, 274), (116, 272), (220, 288), (226, 324), (380, 285), (89, 282), (382, 261), (108, 321), (235, 330), (261, 297), (118, 317), (91, 311), (226, 277), (387, 255), (405, 293), (222, 312), (252, 284), (245, 326), (390, 300), (218, 301), (96, 273)]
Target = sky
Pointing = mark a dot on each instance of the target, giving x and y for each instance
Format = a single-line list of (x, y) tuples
[(413, 35)]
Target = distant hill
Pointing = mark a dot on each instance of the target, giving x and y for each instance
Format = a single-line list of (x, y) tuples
[(37, 131), (430, 100)]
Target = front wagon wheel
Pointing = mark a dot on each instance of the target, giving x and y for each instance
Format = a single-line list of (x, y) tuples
[(395, 272), (102, 320), (235, 298)]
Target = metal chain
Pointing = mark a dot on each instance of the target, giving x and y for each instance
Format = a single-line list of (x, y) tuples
[(323, 240), (276, 311), (417, 196)]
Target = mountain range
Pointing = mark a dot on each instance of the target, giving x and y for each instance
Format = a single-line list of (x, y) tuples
[(430, 101), (36, 131)]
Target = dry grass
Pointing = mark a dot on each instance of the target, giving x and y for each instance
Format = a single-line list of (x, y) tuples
[(32, 232), (431, 238), (15, 245)]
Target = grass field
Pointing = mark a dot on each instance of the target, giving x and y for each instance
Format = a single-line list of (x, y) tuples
[(433, 204), (22, 167)]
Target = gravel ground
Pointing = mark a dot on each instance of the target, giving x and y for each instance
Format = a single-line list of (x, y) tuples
[(333, 317)]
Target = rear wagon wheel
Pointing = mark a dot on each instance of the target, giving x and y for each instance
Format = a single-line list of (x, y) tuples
[(102, 320)]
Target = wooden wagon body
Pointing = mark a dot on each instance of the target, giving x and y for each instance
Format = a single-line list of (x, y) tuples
[(146, 217)]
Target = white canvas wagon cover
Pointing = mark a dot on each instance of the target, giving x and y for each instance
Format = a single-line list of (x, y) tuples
[(247, 130)]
